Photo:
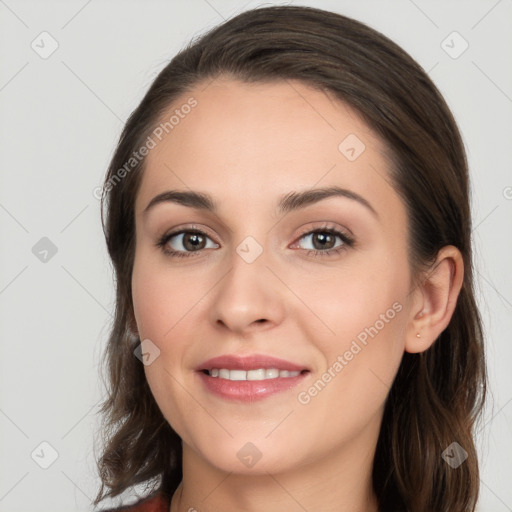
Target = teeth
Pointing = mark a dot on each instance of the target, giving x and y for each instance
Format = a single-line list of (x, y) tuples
[(260, 374), (272, 373), (256, 374), (237, 375)]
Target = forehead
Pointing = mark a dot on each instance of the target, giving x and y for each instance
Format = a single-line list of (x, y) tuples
[(244, 140)]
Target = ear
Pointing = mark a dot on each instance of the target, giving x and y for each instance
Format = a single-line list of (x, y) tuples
[(435, 300)]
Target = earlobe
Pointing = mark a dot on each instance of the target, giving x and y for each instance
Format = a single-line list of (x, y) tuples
[(438, 294)]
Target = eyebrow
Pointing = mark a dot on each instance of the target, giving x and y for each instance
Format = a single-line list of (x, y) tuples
[(287, 203)]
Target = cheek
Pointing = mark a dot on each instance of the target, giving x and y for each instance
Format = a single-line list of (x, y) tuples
[(160, 299), (346, 302), (359, 363), (162, 305), (358, 327)]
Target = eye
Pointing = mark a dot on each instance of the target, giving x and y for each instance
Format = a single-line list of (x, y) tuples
[(324, 242), (186, 241)]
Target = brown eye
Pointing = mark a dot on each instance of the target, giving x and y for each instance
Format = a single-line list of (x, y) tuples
[(323, 240), (193, 241), (187, 242)]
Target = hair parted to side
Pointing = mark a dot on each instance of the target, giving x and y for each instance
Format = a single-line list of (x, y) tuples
[(437, 395)]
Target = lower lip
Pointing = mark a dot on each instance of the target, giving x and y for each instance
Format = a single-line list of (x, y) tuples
[(249, 390)]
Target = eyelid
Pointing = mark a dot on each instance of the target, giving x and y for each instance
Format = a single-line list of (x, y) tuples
[(325, 226), (191, 231), (187, 228), (163, 240)]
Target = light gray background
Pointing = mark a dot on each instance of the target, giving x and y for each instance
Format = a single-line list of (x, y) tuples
[(60, 119)]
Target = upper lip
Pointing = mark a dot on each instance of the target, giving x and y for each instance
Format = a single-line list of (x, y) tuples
[(249, 362)]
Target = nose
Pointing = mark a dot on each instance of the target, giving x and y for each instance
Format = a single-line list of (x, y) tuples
[(249, 297)]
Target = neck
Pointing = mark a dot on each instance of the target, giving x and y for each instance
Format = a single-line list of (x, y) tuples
[(338, 482)]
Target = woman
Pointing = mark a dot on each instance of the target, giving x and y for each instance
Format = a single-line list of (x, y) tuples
[(288, 218)]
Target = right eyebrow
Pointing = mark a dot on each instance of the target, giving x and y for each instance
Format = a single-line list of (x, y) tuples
[(191, 199)]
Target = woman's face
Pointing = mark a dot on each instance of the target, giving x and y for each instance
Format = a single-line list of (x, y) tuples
[(303, 295)]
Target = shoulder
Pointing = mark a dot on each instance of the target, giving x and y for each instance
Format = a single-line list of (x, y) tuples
[(154, 503)]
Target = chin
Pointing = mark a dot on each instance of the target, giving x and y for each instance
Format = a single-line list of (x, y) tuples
[(239, 455)]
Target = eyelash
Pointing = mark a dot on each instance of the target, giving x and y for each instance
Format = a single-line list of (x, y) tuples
[(348, 242)]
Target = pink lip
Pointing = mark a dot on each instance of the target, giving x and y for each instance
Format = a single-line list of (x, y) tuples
[(249, 391), (252, 362)]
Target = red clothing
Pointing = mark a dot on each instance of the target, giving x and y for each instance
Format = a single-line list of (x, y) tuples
[(157, 503)]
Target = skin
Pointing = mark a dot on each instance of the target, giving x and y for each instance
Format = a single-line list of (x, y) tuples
[(247, 145)]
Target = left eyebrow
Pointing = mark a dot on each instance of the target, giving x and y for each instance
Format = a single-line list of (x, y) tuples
[(297, 200), (289, 202)]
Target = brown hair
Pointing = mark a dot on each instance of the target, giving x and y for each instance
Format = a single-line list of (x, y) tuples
[(437, 395)]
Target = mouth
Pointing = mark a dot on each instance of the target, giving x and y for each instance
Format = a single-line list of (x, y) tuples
[(249, 378), (259, 374)]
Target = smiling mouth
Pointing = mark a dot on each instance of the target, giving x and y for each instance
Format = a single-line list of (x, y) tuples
[(252, 375)]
